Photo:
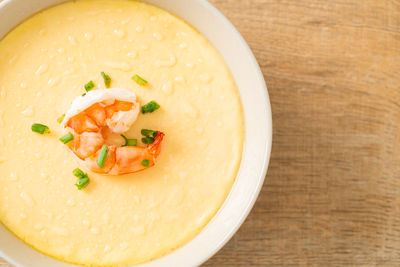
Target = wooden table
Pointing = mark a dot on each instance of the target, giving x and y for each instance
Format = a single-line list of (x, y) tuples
[(331, 196)]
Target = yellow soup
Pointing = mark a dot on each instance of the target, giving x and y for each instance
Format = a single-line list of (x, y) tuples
[(116, 220)]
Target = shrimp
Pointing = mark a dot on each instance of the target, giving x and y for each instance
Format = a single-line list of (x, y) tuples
[(99, 118)]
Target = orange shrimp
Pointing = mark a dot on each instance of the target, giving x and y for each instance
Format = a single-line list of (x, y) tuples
[(99, 118)]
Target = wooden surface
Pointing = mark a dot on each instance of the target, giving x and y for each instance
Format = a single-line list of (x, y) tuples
[(331, 196)]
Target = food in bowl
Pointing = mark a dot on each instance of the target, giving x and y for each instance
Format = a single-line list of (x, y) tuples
[(96, 122), (175, 86)]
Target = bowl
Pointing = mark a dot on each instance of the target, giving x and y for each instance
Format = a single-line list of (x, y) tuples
[(258, 127)]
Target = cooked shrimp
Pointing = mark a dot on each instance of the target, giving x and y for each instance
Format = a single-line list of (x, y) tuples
[(99, 118)]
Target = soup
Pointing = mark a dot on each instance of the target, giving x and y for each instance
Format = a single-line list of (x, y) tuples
[(45, 63)]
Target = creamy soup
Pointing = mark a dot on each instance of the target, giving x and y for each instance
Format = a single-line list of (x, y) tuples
[(116, 219)]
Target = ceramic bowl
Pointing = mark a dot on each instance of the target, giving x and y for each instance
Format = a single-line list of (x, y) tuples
[(258, 126)]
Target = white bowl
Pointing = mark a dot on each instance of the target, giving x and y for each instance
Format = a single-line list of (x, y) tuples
[(249, 79)]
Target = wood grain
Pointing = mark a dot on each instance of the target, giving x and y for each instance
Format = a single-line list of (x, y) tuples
[(331, 196)]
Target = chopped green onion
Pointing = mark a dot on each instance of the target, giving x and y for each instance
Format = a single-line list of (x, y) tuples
[(145, 163), (61, 118), (107, 79), (40, 128), (149, 133), (102, 156), (83, 178), (89, 86), (147, 140), (150, 107), (83, 94), (78, 173), (129, 142), (126, 139), (139, 80), (82, 182), (67, 138)]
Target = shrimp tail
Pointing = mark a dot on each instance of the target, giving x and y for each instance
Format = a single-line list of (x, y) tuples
[(130, 159), (155, 147)]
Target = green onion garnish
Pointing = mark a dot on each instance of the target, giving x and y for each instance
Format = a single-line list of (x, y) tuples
[(67, 138), (148, 133), (129, 142), (145, 163), (147, 140), (83, 178), (102, 156), (78, 173), (139, 80), (150, 107), (89, 86), (107, 79), (40, 128), (82, 182), (61, 118)]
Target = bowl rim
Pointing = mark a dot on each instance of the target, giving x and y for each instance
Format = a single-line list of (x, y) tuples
[(177, 257)]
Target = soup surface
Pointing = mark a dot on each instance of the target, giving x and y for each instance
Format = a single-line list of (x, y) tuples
[(127, 219)]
